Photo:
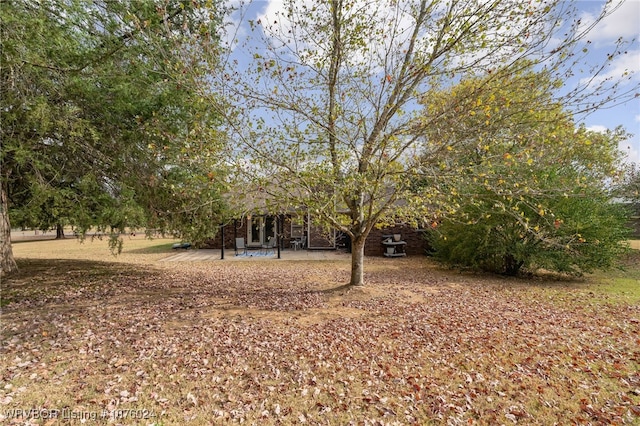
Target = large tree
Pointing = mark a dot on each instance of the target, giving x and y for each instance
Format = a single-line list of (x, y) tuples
[(327, 94), (523, 186), (100, 119)]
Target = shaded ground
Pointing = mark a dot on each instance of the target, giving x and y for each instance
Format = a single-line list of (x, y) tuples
[(287, 343)]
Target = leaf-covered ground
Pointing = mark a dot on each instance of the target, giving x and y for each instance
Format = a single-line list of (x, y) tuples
[(287, 343)]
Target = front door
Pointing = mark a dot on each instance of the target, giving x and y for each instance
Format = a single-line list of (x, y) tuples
[(260, 229)]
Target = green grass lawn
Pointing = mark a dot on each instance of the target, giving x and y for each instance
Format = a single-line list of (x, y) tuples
[(624, 282), (279, 342)]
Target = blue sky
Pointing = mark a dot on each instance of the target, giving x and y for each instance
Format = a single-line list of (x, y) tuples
[(623, 22)]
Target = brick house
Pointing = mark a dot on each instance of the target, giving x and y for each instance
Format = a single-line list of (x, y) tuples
[(256, 229)]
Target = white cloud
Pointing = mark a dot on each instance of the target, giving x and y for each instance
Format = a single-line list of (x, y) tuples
[(631, 150), (301, 28), (234, 30), (388, 27), (624, 67), (597, 128), (622, 22)]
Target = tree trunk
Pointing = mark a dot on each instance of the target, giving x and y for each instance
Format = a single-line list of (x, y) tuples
[(357, 261), (512, 265), (7, 262), (59, 232)]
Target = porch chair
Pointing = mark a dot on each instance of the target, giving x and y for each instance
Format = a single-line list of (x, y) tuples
[(271, 245), (298, 243), (240, 246)]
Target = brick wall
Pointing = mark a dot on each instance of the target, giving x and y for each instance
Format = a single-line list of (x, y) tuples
[(416, 243), (237, 228)]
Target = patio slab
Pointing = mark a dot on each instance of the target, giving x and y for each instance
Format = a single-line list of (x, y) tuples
[(204, 255)]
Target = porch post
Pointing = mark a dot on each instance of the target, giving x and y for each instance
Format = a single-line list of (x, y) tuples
[(278, 218), (222, 238), (235, 234)]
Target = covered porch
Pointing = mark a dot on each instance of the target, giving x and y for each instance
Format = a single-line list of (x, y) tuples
[(295, 231)]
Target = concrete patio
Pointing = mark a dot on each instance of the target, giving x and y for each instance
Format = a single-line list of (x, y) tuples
[(203, 255)]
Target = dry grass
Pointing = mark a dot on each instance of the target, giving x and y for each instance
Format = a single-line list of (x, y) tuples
[(136, 249), (287, 343)]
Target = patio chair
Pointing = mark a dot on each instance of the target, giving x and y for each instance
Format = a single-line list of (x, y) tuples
[(298, 243), (271, 245), (240, 246)]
